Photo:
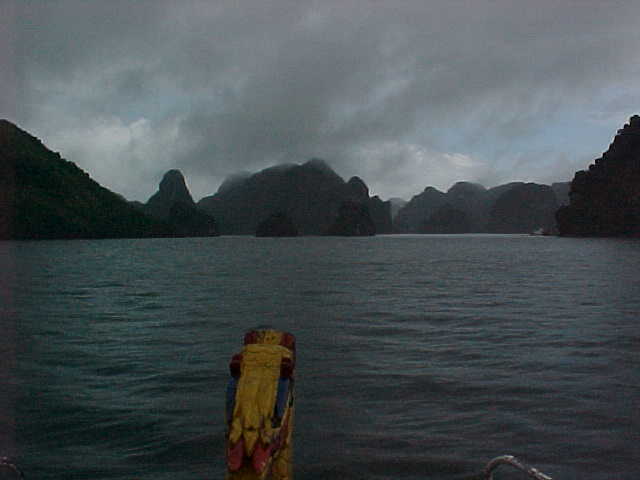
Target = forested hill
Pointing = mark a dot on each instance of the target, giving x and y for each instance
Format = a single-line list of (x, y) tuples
[(605, 199), (43, 196)]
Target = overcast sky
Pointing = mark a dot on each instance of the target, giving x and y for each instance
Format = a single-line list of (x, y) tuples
[(404, 94)]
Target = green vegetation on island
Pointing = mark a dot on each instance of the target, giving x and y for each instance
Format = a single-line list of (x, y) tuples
[(43, 196)]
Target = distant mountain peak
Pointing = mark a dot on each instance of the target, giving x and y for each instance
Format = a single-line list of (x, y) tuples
[(469, 207), (466, 187), (174, 187), (310, 195), (318, 164), (359, 187), (233, 180)]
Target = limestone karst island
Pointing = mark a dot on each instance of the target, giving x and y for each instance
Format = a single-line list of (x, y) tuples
[(43, 196)]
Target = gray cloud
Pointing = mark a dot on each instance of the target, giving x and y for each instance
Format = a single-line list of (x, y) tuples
[(403, 94)]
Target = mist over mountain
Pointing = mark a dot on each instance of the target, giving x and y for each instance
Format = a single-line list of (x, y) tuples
[(468, 207), (45, 196), (310, 195), (396, 205), (412, 216), (403, 94), (562, 189), (470, 198)]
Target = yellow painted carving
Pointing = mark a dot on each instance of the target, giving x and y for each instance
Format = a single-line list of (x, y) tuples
[(255, 403)]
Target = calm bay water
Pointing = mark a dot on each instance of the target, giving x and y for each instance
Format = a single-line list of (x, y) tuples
[(419, 356)]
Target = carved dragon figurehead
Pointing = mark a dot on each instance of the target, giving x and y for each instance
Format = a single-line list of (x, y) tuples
[(260, 407)]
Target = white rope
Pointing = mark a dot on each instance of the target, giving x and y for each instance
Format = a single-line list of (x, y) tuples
[(514, 462)]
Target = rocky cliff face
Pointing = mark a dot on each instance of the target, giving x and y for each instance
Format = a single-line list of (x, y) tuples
[(448, 219), (277, 225), (411, 217), (523, 208), (353, 220), (470, 208), (43, 196), (172, 189), (379, 211), (473, 200), (188, 221), (310, 195), (605, 199), (426, 213), (172, 203)]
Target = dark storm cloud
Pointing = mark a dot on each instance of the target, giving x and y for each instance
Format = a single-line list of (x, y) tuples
[(8, 80), (404, 94)]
